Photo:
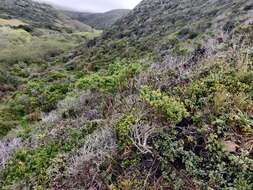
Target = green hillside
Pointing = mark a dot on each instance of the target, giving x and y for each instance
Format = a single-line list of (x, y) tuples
[(29, 50), (39, 15), (99, 20), (161, 100)]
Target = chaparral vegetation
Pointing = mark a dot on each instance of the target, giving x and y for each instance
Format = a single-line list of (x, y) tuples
[(161, 99)]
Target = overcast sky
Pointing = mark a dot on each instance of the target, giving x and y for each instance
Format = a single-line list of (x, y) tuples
[(94, 5)]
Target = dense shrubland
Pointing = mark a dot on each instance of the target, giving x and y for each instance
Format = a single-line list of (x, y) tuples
[(32, 72), (182, 119), (194, 134)]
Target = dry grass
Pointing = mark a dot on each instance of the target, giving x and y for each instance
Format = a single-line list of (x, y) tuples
[(84, 167), (99, 145), (7, 147), (11, 22)]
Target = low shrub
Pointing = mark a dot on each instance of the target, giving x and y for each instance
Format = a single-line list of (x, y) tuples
[(31, 165), (122, 129), (212, 166), (9, 119), (116, 76), (171, 107), (39, 96)]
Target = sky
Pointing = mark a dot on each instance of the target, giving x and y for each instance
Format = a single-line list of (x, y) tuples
[(94, 5)]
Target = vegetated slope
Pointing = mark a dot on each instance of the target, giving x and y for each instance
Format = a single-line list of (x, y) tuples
[(39, 15), (33, 40), (33, 32), (162, 27), (99, 20), (151, 104)]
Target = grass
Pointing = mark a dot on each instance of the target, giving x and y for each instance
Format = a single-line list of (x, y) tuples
[(11, 22), (88, 35)]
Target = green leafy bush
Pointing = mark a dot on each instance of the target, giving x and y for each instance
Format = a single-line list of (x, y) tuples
[(9, 119), (116, 76), (39, 96), (211, 167), (27, 164), (172, 108), (122, 129), (226, 93)]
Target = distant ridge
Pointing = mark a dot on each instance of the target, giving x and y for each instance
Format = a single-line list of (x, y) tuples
[(39, 15), (98, 20)]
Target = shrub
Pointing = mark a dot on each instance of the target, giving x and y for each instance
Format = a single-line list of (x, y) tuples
[(122, 129), (206, 88), (116, 76), (187, 33), (7, 147), (7, 79), (96, 81), (31, 165), (86, 164), (6, 126), (8, 119), (171, 107), (211, 167), (221, 100), (39, 96), (241, 121)]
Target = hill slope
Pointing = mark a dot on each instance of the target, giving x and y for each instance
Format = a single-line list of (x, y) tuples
[(32, 32), (162, 27), (99, 20), (34, 38), (162, 100), (38, 15)]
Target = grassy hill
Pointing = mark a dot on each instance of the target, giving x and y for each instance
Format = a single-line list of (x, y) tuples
[(32, 46), (39, 15), (99, 20), (161, 100), (170, 28)]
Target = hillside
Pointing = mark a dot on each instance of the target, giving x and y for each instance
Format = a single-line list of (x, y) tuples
[(99, 20), (170, 28), (32, 33), (39, 15), (163, 99), (34, 38)]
